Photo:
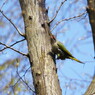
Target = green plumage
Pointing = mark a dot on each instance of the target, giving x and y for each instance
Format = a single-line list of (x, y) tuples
[(61, 52)]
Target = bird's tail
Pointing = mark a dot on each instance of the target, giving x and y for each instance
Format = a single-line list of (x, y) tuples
[(75, 59)]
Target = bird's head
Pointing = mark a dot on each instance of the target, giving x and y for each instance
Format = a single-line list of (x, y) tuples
[(53, 39)]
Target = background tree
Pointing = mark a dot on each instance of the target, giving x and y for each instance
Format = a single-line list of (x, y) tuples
[(91, 12), (70, 24)]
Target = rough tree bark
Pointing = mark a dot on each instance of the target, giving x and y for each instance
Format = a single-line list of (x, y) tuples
[(91, 12), (38, 39), (91, 88)]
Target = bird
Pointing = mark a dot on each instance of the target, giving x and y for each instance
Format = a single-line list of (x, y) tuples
[(59, 49)]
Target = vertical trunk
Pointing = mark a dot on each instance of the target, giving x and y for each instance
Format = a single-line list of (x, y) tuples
[(39, 46), (91, 88), (91, 12)]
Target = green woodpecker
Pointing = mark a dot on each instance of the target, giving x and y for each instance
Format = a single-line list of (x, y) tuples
[(59, 49)]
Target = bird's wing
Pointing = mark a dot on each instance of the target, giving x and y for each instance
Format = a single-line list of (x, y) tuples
[(62, 47)]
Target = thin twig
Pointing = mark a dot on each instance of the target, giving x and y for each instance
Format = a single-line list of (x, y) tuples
[(25, 82), (26, 72), (13, 49), (22, 76), (67, 20), (3, 4), (57, 11), (12, 24), (12, 44)]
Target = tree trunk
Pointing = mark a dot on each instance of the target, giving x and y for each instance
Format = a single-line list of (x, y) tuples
[(91, 88), (91, 12), (39, 46)]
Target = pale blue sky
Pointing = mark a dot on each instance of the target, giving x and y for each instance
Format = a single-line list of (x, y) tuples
[(76, 35)]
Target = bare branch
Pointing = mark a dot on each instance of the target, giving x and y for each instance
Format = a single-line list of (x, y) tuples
[(26, 72), (67, 20), (12, 24), (57, 11), (23, 75), (25, 82), (3, 4), (13, 49), (12, 44)]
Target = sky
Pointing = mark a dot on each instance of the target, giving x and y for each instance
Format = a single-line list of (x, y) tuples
[(75, 34)]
